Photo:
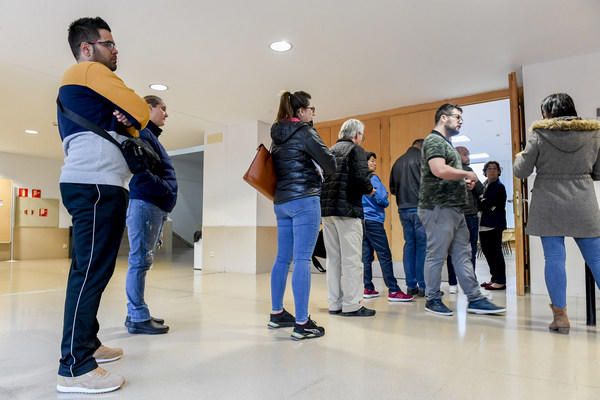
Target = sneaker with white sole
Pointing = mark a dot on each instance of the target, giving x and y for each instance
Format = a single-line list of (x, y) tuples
[(281, 320), (399, 296), (484, 306), (105, 354), (436, 306), (96, 381), (370, 293), (307, 330)]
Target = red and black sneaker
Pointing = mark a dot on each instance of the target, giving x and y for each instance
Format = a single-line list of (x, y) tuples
[(370, 293), (399, 296)]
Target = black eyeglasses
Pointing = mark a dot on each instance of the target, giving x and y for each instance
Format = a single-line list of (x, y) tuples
[(109, 44), (457, 116)]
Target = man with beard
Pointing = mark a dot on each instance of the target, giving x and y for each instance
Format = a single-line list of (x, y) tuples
[(93, 187), (442, 197)]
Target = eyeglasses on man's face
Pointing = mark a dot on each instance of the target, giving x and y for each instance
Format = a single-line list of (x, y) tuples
[(109, 44), (457, 116)]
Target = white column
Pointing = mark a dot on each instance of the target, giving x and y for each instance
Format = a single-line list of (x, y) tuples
[(239, 233)]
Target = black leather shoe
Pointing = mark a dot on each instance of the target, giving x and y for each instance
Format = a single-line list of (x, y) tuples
[(149, 327), (157, 320), (335, 312), (361, 312)]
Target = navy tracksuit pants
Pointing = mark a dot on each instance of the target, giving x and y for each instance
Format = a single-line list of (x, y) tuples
[(98, 213)]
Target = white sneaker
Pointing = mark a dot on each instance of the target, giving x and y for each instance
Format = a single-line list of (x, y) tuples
[(96, 381), (452, 289)]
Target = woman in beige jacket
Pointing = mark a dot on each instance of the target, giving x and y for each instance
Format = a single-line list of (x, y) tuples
[(565, 150)]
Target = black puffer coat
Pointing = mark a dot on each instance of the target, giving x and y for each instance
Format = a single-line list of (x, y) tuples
[(295, 146), (342, 192)]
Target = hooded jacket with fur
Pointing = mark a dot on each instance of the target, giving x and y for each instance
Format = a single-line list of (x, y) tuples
[(566, 155)]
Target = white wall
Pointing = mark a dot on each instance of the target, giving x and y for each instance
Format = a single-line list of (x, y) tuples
[(577, 76), (187, 214), (36, 173)]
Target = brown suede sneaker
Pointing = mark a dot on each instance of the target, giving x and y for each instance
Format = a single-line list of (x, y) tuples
[(96, 381), (105, 354)]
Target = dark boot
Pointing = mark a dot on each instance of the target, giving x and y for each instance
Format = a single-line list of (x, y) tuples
[(560, 323)]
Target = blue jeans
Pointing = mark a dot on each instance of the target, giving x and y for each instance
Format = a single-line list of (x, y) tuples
[(415, 245), (473, 225), (375, 239), (555, 256), (297, 230), (144, 224)]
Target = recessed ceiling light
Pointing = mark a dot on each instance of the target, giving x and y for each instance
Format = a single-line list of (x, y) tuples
[(479, 156), (31, 131), (280, 46), (158, 86)]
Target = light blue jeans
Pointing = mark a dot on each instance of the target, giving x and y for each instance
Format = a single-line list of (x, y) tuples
[(144, 225), (555, 256), (297, 230)]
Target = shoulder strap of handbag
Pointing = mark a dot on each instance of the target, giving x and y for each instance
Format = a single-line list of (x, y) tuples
[(86, 123)]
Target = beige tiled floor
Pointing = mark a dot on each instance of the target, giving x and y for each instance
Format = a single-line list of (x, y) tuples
[(220, 348)]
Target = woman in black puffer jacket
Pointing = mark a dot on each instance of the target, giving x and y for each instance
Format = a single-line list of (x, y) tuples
[(300, 158)]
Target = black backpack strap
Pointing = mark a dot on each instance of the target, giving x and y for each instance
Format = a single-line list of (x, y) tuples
[(85, 123)]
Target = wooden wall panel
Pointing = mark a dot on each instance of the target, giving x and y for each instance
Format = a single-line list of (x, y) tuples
[(404, 129)]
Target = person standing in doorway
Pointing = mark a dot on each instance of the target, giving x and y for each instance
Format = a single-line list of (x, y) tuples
[(442, 198), (94, 191), (405, 181), (493, 223), (152, 196), (375, 239)]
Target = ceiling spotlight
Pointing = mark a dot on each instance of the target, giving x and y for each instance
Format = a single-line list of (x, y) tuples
[(280, 46), (479, 156), (158, 86), (460, 139), (31, 131)]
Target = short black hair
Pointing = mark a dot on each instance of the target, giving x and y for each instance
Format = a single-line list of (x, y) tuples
[(445, 109), (371, 154), (85, 30), (487, 164), (558, 105)]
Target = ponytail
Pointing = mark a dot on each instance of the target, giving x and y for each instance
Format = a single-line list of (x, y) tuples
[(290, 103)]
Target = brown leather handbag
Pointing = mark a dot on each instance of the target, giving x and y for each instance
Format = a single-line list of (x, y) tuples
[(261, 173)]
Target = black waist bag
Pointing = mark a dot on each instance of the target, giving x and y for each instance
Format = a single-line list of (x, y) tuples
[(139, 155)]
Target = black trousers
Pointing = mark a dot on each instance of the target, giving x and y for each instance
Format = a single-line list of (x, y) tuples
[(98, 214), (491, 245)]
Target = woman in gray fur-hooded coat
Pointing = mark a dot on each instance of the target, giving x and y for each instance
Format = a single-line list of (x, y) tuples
[(565, 151)]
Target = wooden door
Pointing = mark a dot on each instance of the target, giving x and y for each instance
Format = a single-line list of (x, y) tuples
[(404, 129), (517, 117)]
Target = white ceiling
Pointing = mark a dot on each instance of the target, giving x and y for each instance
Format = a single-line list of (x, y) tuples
[(353, 56)]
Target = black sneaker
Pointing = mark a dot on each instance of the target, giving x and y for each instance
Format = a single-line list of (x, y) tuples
[(412, 291), (282, 320), (361, 312), (308, 330)]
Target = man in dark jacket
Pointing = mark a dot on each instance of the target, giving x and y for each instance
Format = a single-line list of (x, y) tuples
[(152, 196), (342, 212), (405, 181)]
